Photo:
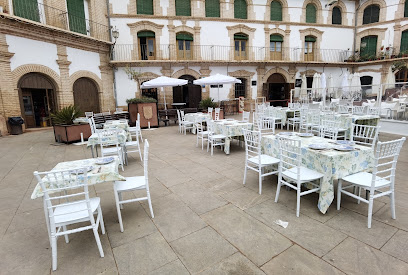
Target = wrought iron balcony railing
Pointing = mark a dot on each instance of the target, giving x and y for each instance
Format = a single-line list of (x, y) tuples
[(62, 19)]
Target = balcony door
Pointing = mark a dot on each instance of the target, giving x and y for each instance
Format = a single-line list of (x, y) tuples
[(275, 47), (76, 16), (147, 45), (240, 46), (27, 9), (310, 47), (184, 46)]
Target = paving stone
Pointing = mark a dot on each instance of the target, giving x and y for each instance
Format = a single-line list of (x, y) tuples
[(355, 225), (355, 257), (143, 255), (26, 220), (175, 267), (384, 215), (202, 249), (397, 246), (297, 260), (306, 232), (255, 240), (235, 264), (244, 197)]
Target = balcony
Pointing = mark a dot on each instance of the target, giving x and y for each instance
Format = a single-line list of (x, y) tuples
[(61, 19), (136, 52)]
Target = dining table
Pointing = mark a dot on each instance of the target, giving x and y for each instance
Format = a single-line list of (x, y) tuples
[(230, 128), (93, 140), (196, 118), (332, 163)]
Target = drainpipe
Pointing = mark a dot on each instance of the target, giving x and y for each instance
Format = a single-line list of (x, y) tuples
[(355, 33), (111, 56)]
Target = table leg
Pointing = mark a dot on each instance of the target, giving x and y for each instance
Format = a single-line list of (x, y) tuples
[(227, 145), (92, 151)]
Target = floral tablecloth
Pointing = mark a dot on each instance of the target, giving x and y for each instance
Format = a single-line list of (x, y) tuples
[(196, 118), (81, 120), (282, 113), (230, 129), (108, 172), (94, 138), (333, 164), (116, 124)]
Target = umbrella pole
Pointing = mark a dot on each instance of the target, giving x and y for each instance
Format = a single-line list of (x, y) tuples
[(218, 94), (164, 98)]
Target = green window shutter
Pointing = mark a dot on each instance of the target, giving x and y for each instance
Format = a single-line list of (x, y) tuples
[(336, 16), (276, 38), (240, 9), (184, 36), (144, 6), (310, 13), (310, 39), (183, 8), (406, 9), (27, 9), (145, 34), (371, 14), (404, 42), (371, 46), (240, 36), (212, 8), (276, 11), (76, 16)]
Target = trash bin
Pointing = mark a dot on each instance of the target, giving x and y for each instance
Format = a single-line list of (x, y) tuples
[(15, 125)]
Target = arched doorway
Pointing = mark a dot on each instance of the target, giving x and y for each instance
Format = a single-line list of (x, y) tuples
[(277, 90), (37, 99), (86, 95), (189, 94)]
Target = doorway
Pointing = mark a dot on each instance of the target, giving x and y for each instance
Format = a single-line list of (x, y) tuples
[(189, 94), (276, 90), (37, 99), (86, 96)]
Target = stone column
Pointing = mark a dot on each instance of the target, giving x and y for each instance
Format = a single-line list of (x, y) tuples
[(205, 71), (9, 98), (197, 40), (65, 95), (106, 93), (260, 72), (198, 8)]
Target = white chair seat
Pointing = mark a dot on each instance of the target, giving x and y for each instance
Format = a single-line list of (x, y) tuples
[(187, 123), (112, 150), (131, 183), (204, 133), (132, 143), (62, 214), (306, 174), (218, 136), (364, 179), (265, 160), (294, 119)]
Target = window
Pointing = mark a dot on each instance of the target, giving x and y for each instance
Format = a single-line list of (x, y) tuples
[(368, 46), (240, 88), (276, 11), (404, 42), (240, 42), (76, 16), (309, 48), (336, 16), (212, 8), (240, 9), (144, 6), (27, 9), (406, 9), (276, 47), (366, 82), (184, 45), (310, 13), (146, 45), (401, 76), (183, 8), (371, 14)]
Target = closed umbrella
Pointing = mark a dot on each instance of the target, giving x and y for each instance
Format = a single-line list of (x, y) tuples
[(323, 87), (303, 87), (345, 86), (356, 86), (390, 80), (316, 85), (161, 82), (217, 79)]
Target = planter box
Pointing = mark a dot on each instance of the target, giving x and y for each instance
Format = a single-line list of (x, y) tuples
[(143, 110), (71, 133)]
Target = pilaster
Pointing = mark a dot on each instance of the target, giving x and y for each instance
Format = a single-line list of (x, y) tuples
[(106, 93), (65, 95)]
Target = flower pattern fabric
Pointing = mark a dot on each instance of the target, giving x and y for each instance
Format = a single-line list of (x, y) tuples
[(230, 129), (196, 118)]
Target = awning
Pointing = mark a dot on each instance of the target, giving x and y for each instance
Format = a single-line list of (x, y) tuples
[(276, 38), (145, 34), (310, 39), (184, 36), (241, 36)]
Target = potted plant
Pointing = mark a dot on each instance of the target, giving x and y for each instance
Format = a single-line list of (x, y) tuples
[(64, 128), (209, 103), (147, 108)]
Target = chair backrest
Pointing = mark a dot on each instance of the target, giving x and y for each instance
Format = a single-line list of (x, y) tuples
[(314, 117), (359, 110), (210, 128), (199, 127), (364, 134), (109, 137), (245, 116), (178, 116), (88, 114), (374, 111), (146, 162), (385, 160), (92, 125), (266, 126), (54, 185), (330, 128), (290, 155), (119, 109), (252, 144), (342, 109), (217, 113)]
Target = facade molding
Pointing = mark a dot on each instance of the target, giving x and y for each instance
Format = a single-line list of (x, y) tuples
[(311, 32), (87, 74), (285, 11), (276, 70), (318, 5), (379, 32), (241, 74), (383, 11), (343, 9), (22, 70), (186, 71), (148, 26), (241, 28)]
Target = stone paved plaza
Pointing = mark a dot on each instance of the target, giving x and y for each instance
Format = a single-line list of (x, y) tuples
[(206, 221)]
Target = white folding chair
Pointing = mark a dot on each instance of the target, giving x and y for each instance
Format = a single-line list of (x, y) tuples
[(342, 109), (136, 131), (359, 110), (119, 109), (364, 134), (132, 147), (63, 209), (255, 160), (292, 173), (380, 182), (186, 125), (210, 111), (329, 128), (266, 126), (245, 116), (88, 114), (295, 120), (303, 124), (134, 184), (214, 139), (91, 122), (110, 146), (217, 114), (201, 134)]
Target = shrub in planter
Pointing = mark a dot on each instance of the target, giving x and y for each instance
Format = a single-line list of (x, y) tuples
[(206, 103), (64, 128), (147, 107)]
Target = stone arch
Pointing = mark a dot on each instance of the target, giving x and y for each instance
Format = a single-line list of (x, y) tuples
[(286, 40), (145, 26), (379, 32), (20, 71), (241, 74), (241, 28), (186, 71), (383, 10), (250, 10), (285, 12), (343, 9), (79, 74), (194, 31), (318, 5), (281, 71), (132, 7), (311, 32)]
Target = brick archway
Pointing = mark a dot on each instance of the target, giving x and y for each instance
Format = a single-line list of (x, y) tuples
[(75, 76), (22, 70)]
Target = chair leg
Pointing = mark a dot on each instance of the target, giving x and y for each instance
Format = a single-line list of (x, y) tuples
[(140, 152), (212, 149), (98, 241), (260, 180), (118, 209), (245, 173), (392, 197), (54, 252), (197, 141), (359, 194), (298, 201), (279, 187), (66, 236), (120, 199), (370, 210), (149, 200), (208, 145), (339, 193), (101, 220)]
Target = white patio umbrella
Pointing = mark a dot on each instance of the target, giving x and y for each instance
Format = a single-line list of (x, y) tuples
[(316, 84), (390, 79), (217, 79), (355, 83), (303, 87), (323, 87), (161, 82), (345, 85), (330, 86)]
